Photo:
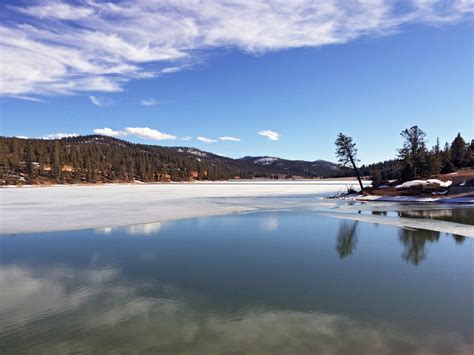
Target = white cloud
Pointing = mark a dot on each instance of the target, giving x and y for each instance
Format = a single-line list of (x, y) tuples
[(100, 101), (227, 138), (106, 131), (148, 102), (21, 137), (145, 75), (187, 138), (60, 135), (172, 70), (206, 140), (271, 135), (149, 133), (58, 48)]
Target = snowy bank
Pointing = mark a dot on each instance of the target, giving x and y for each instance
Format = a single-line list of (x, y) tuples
[(415, 183)]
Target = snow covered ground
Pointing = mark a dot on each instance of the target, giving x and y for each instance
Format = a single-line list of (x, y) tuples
[(69, 207)]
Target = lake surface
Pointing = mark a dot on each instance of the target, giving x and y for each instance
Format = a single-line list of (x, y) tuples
[(268, 282)]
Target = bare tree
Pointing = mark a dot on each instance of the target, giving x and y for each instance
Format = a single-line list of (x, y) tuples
[(347, 154)]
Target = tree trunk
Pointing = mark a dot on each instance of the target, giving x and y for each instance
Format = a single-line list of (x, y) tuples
[(357, 173)]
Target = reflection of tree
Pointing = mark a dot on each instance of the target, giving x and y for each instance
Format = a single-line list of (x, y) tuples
[(346, 238), (414, 242), (459, 239)]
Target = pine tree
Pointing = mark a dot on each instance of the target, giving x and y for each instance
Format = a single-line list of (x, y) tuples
[(346, 152), (413, 152), (458, 151), (435, 159), (56, 169)]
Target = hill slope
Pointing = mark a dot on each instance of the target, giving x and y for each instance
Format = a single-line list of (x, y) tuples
[(97, 158)]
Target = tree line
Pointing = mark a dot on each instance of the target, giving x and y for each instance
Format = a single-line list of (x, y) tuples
[(414, 159), (101, 159)]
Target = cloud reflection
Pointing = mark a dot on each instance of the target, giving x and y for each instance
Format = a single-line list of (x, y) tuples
[(135, 229), (270, 224), (102, 304)]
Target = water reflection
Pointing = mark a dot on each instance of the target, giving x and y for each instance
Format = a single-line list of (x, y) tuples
[(270, 224), (414, 243), (135, 229), (459, 239), (221, 285), (456, 215), (346, 238), (104, 313)]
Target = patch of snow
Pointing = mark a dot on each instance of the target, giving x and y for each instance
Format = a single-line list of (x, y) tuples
[(197, 152), (399, 198), (265, 160), (414, 183)]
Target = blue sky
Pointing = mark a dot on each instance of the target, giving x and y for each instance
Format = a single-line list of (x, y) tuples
[(214, 78)]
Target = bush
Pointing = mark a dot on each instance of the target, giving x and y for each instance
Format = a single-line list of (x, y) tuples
[(408, 172), (448, 167), (376, 178)]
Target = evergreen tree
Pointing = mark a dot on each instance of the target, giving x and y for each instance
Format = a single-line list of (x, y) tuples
[(56, 168), (458, 151), (413, 152), (346, 152), (435, 159)]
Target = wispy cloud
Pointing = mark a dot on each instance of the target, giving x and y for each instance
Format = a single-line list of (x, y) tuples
[(271, 135), (227, 138), (26, 98), (148, 102), (149, 133), (53, 47), (60, 135), (187, 138), (173, 69), (206, 140), (100, 101), (106, 131)]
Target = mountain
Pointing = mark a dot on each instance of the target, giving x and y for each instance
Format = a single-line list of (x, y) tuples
[(298, 168), (96, 158)]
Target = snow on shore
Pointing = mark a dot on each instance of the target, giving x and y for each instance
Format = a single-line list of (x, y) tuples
[(413, 183), (66, 207)]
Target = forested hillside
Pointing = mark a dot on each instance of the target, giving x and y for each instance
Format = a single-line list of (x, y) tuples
[(97, 158)]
